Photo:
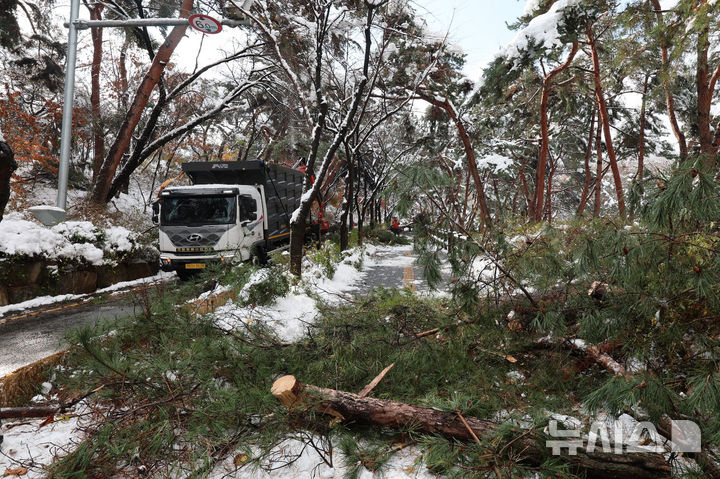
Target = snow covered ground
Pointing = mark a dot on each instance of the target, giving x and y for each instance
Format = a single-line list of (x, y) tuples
[(290, 315), (402, 465), (29, 445)]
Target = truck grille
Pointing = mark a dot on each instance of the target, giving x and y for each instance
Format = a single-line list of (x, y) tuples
[(184, 237)]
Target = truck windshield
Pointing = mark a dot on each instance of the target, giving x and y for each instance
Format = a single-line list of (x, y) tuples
[(198, 210)]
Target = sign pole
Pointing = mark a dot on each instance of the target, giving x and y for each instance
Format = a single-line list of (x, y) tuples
[(66, 132)]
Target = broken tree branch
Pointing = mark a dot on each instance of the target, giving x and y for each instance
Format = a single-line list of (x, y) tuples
[(367, 389), (18, 412), (590, 350)]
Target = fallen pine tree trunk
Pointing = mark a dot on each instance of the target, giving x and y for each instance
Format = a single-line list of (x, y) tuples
[(18, 412), (527, 445)]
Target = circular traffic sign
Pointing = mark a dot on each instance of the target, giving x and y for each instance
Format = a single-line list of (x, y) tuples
[(205, 24)]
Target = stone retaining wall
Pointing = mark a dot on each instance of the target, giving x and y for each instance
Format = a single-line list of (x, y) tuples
[(21, 280)]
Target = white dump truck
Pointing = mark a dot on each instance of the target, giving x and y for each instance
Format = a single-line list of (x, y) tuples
[(233, 210)]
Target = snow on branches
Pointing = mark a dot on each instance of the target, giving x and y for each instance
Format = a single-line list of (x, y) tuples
[(544, 31)]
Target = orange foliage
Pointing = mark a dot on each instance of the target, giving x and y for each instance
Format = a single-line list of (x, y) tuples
[(34, 137)]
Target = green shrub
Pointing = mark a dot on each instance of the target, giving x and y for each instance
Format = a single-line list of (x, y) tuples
[(327, 257), (265, 285), (384, 236)]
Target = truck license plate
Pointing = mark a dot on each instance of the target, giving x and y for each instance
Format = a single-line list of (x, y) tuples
[(195, 266)]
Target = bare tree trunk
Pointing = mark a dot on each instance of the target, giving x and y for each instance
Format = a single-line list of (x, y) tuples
[(548, 201), (97, 123), (641, 140), (347, 203), (360, 224), (538, 205), (605, 121), (445, 105), (599, 169), (122, 72), (100, 194), (705, 90), (585, 195), (310, 190), (7, 166), (667, 86)]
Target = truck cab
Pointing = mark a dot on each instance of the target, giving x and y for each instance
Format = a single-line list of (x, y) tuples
[(207, 223)]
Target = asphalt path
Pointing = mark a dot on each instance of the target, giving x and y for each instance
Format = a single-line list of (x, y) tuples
[(392, 268), (29, 339)]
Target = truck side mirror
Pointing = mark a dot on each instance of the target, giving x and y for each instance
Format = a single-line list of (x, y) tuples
[(156, 213)]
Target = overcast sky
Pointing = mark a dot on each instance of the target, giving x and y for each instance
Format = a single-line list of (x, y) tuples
[(478, 26)]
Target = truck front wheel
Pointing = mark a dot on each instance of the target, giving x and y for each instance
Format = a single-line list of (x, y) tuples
[(260, 256)]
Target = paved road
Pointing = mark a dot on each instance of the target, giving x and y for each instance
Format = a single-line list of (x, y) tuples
[(392, 267), (24, 341)]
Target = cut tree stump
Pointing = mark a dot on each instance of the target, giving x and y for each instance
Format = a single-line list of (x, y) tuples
[(527, 445)]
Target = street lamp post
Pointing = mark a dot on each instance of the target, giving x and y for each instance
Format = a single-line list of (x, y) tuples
[(66, 132), (47, 214)]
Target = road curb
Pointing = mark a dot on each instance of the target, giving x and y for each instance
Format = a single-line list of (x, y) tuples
[(22, 381)]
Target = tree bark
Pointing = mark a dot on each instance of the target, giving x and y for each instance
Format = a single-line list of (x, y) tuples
[(18, 412), (590, 350), (598, 169), (122, 72), (705, 89), (97, 124), (7, 166), (585, 195), (445, 105), (641, 140), (132, 118), (347, 204), (526, 446), (667, 85), (538, 204), (605, 121)]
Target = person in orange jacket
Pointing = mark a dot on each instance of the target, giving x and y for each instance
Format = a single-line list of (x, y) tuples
[(395, 226)]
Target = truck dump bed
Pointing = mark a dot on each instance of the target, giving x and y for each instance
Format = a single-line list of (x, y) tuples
[(283, 188)]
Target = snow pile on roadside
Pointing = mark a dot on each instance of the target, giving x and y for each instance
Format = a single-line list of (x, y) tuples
[(402, 465), (290, 315), (119, 240), (348, 273), (71, 240)]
